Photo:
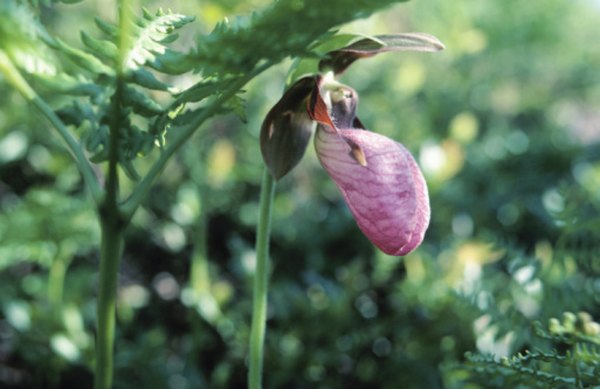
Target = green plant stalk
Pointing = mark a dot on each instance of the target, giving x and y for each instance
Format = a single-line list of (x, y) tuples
[(13, 76), (112, 223), (111, 250), (261, 281)]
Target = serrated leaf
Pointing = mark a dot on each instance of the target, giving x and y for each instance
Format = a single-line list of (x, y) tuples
[(238, 105), (100, 47), (41, 224), (21, 39), (202, 90), (130, 170), (143, 77), (140, 102), (159, 128), (238, 46), (64, 83), (76, 113), (95, 142), (150, 32), (100, 156), (107, 28), (81, 58), (169, 39), (172, 62)]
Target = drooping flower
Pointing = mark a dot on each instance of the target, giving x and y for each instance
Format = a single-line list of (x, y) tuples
[(378, 177)]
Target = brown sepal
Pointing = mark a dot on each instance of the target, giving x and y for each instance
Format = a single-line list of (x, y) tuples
[(286, 130)]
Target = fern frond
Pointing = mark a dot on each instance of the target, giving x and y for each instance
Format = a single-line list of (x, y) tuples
[(21, 39), (513, 370), (152, 33), (237, 47), (41, 225), (97, 79), (577, 366)]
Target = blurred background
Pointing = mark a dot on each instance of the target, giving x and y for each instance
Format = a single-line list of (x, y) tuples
[(506, 127)]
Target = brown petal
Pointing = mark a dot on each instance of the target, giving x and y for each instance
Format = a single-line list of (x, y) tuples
[(333, 104), (339, 60), (286, 130)]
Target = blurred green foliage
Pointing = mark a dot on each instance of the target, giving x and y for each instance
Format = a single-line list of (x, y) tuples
[(506, 128)]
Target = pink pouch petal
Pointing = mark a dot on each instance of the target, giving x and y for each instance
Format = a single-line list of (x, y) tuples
[(388, 197)]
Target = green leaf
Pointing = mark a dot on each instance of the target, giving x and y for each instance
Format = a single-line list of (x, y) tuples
[(108, 29), (100, 47), (237, 104), (96, 142), (145, 78), (45, 222), (152, 33), (21, 39), (202, 90), (172, 62), (140, 102), (64, 83), (130, 170), (162, 123), (238, 46), (81, 58), (76, 113)]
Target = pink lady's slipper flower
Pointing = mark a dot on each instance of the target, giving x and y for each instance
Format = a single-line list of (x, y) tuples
[(378, 177)]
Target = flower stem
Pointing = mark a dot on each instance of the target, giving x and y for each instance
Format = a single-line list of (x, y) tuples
[(261, 279)]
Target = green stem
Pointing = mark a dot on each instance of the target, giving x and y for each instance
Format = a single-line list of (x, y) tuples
[(13, 76), (111, 250), (112, 222), (261, 280)]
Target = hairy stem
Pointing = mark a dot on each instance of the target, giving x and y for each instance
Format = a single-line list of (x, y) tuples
[(13, 76), (261, 280)]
